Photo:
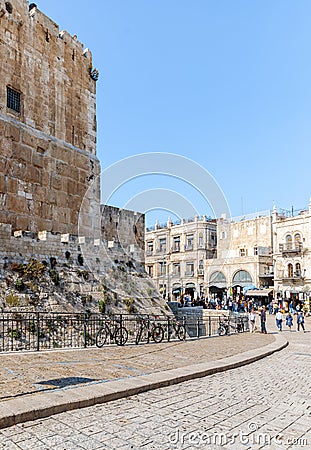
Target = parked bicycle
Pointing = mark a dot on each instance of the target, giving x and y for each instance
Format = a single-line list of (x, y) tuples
[(225, 325), (149, 329), (115, 331), (177, 329)]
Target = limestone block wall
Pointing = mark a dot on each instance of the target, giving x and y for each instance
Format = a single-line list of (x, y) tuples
[(51, 70), (48, 148), (122, 225)]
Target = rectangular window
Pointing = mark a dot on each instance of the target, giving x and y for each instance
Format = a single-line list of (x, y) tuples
[(176, 246), (243, 252), (255, 251), (162, 268), (176, 269), (150, 271), (189, 242), (149, 248), (189, 269), (200, 243), (13, 100), (162, 243), (201, 267)]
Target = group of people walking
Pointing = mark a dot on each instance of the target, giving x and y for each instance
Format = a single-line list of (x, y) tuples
[(279, 318)]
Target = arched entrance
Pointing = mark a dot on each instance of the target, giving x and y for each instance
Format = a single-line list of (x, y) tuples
[(240, 279), (190, 289), (217, 285), (176, 291)]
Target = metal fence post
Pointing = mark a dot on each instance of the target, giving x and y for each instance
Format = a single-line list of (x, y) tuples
[(209, 326), (84, 330), (38, 330), (168, 330), (198, 327)]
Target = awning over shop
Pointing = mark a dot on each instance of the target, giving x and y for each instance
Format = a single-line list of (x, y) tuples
[(258, 292), (218, 285)]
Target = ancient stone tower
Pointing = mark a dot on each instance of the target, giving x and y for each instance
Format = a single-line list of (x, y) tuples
[(47, 121)]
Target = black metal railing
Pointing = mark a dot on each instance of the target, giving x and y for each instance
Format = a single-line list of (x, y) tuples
[(44, 330)]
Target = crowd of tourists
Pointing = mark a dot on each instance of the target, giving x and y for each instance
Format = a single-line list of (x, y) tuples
[(280, 319), (238, 305)]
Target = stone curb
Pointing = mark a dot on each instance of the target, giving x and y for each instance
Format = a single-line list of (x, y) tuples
[(40, 405)]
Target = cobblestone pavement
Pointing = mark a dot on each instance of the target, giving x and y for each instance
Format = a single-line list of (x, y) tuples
[(264, 405), (23, 373)]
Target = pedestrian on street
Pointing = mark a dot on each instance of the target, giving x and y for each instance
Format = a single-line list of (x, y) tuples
[(252, 321), (300, 321), (279, 319), (263, 319), (289, 321)]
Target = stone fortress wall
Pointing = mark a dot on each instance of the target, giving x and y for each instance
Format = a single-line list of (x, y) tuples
[(50, 176), (48, 143)]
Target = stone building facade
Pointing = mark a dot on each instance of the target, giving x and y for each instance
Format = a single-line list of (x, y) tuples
[(175, 255), (47, 122), (292, 255), (244, 256)]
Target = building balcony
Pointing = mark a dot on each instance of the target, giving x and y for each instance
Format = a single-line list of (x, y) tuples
[(201, 272), (291, 249), (295, 277), (267, 275), (189, 274)]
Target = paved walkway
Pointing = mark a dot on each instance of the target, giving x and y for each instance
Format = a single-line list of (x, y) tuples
[(262, 405), (24, 373)]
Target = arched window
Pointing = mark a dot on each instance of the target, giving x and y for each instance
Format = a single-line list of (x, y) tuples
[(289, 242), (297, 240), (290, 271), (217, 277), (242, 276), (297, 270)]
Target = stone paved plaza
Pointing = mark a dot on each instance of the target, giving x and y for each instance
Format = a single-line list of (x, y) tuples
[(266, 404), (29, 372)]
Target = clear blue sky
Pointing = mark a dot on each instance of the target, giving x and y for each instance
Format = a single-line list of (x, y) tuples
[(225, 83)]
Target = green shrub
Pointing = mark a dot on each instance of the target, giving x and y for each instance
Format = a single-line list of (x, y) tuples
[(19, 285), (54, 276), (102, 306), (129, 303), (12, 300), (15, 334)]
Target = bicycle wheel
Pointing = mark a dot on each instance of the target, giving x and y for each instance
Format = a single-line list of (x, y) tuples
[(101, 337), (121, 336), (222, 330), (240, 327), (181, 333), (157, 334), (138, 336)]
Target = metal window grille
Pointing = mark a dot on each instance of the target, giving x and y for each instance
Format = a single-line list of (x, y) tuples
[(13, 100)]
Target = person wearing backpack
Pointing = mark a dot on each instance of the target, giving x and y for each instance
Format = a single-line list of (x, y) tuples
[(300, 321), (289, 321)]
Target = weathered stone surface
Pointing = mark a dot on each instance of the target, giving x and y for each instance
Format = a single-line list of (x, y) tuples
[(52, 136)]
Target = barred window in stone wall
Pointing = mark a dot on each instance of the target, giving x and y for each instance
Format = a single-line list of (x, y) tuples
[(13, 100)]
